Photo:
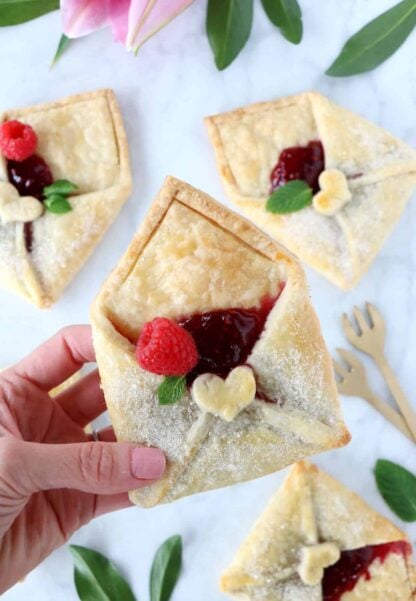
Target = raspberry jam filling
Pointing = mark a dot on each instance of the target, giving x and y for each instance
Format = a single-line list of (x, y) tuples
[(299, 162), (225, 337), (353, 565), (29, 177)]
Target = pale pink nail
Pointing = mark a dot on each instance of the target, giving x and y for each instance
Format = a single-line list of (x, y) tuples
[(147, 463)]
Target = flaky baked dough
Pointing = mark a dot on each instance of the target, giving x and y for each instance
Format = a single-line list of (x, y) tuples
[(380, 170), (82, 139), (190, 255), (311, 504)]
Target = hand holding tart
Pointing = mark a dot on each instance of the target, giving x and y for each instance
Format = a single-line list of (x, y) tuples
[(64, 175), (205, 300), (318, 541), (359, 178)]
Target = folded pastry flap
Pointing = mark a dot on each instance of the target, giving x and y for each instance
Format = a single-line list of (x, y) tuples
[(62, 243), (343, 517), (239, 451), (13, 267), (190, 262), (136, 415), (77, 137), (318, 239), (390, 580), (248, 141), (371, 216), (357, 147), (270, 554), (289, 590), (293, 367)]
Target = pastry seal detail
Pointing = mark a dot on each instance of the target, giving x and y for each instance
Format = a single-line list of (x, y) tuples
[(15, 208), (334, 192), (225, 398), (315, 559)]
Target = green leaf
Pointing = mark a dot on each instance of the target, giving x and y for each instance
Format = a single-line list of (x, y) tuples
[(96, 578), (376, 42), (55, 203), (166, 569), (228, 28), (287, 16), (62, 186), (62, 46), (397, 486), (13, 12), (289, 198), (171, 390)]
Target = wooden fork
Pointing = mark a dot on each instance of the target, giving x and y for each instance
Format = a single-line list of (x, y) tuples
[(370, 339), (353, 382)]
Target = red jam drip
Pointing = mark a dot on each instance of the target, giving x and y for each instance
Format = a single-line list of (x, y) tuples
[(299, 162), (353, 565), (29, 177), (225, 337)]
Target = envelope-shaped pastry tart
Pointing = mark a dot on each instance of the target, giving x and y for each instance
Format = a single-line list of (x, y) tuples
[(208, 348), (325, 182), (64, 175), (318, 541)]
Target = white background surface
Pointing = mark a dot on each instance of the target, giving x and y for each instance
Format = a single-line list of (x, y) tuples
[(164, 93)]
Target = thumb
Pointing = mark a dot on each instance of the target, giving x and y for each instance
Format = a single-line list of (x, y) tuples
[(94, 467)]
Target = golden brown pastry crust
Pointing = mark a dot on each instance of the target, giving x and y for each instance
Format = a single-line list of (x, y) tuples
[(191, 255), (82, 138), (312, 506), (381, 172)]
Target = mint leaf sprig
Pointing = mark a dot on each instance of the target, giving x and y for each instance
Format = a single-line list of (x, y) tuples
[(397, 486), (291, 197), (55, 196), (171, 389)]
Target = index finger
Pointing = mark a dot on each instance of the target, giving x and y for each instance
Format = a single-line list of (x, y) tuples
[(58, 358)]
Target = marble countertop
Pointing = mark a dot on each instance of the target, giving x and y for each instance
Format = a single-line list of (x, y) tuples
[(164, 93)]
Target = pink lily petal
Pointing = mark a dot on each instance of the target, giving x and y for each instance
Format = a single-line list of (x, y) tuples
[(146, 17), (81, 17), (119, 18)]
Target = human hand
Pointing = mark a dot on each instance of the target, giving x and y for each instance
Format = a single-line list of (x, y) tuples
[(53, 477)]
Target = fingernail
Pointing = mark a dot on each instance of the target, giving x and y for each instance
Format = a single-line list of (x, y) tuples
[(147, 463)]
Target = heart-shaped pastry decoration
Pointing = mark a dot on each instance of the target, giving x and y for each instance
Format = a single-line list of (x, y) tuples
[(17, 208), (225, 398), (334, 193), (315, 559)]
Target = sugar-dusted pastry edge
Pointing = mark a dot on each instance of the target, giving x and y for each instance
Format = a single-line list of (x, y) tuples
[(381, 530), (105, 334), (31, 288)]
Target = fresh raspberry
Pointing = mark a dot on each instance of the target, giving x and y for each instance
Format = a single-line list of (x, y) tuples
[(18, 141), (165, 348)]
